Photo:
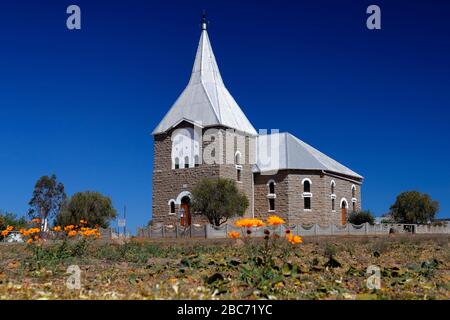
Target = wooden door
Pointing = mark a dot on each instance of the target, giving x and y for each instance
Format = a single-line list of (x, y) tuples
[(344, 214), (185, 219)]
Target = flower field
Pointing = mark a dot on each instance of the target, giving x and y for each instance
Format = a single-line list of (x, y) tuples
[(274, 267)]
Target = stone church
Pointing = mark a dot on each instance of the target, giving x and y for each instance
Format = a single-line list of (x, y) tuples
[(205, 134)]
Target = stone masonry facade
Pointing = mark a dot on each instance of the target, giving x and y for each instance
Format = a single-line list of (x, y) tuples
[(169, 183), (289, 201)]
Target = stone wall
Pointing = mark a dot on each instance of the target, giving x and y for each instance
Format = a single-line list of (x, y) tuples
[(168, 183), (289, 202)]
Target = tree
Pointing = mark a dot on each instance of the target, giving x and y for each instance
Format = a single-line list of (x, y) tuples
[(361, 217), (92, 207), (11, 219), (218, 200), (48, 196), (414, 207)]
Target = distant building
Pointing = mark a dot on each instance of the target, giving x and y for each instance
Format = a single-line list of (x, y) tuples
[(205, 128)]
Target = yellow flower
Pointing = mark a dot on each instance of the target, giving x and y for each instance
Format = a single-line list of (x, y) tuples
[(234, 234), (275, 221), (294, 239)]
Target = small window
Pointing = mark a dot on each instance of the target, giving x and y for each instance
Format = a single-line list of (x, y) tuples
[(172, 207), (306, 186), (197, 161), (332, 187), (186, 162), (354, 206), (177, 163), (271, 204), (239, 174), (307, 203), (333, 204), (353, 191), (272, 187)]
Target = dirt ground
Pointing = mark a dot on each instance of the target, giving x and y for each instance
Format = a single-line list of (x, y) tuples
[(407, 266)]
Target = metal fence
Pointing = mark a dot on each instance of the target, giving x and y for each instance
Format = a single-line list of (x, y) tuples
[(212, 232)]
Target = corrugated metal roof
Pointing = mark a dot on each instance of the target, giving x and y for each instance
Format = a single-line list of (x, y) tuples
[(293, 153), (205, 101)]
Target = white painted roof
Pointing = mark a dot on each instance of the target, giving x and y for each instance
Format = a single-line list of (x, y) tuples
[(205, 101), (293, 154)]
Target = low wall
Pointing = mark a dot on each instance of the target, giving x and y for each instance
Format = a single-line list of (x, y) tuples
[(210, 232)]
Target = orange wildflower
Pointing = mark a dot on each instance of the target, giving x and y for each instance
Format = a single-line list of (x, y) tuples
[(275, 221), (10, 228), (72, 233), (248, 223), (30, 241), (234, 234), (294, 239), (36, 220), (57, 228), (5, 233)]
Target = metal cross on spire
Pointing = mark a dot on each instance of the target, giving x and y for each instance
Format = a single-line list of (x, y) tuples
[(204, 21)]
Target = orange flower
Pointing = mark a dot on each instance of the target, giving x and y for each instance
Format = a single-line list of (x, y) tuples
[(83, 221), (10, 228), (72, 233), (30, 241), (5, 233), (69, 228), (234, 234), (36, 220), (248, 223), (275, 221), (294, 239), (57, 228)]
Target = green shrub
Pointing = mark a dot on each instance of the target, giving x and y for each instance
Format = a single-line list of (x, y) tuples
[(361, 217)]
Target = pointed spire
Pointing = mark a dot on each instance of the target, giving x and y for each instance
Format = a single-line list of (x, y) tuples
[(205, 100)]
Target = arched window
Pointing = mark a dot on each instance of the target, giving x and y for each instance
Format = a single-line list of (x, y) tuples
[(272, 187), (177, 163), (172, 207), (186, 162), (197, 161), (237, 158), (307, 195), (353, 191), (306, 186), (354, 206), (332, 186)]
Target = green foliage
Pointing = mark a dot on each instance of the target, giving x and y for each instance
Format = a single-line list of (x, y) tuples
[(48, 196), (11, 219), (93, 207), (218, 199), (414, 207), (361, 217)]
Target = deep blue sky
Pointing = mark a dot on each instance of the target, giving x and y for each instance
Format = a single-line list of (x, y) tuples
[(82, 104)]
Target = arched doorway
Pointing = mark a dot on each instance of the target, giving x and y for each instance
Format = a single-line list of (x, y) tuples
[(185, 213), (344, 206)]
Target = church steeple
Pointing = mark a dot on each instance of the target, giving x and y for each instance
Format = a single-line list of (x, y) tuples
[(205, 101)]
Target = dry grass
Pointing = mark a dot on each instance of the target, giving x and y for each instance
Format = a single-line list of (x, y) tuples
[(412, 267)]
